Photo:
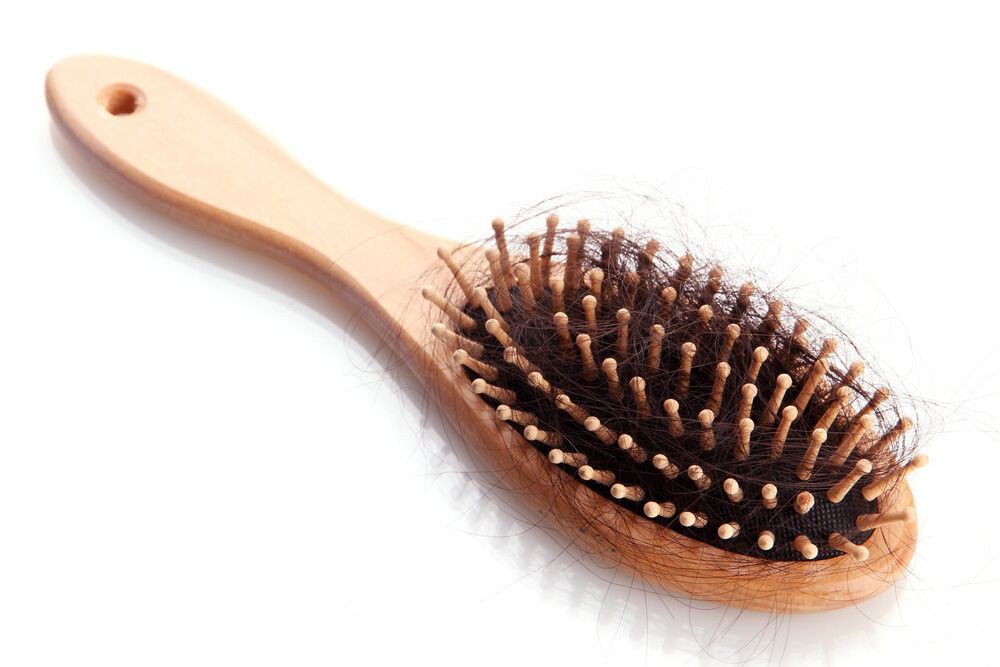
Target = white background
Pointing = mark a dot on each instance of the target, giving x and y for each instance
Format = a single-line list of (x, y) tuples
[(200, 463)]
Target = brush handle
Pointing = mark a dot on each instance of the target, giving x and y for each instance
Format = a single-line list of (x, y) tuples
[(201, 160)]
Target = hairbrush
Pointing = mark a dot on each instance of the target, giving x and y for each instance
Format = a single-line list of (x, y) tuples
[(674, 422)]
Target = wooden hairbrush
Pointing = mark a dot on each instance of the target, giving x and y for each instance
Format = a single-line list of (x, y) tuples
[(674, 423)]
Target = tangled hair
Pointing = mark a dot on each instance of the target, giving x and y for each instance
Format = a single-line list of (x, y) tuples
[(636, 411)]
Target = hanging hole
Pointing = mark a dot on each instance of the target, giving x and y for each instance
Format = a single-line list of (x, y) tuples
[(121, 99)]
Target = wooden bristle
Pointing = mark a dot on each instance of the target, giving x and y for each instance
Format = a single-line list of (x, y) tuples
[(622, 316), (719, 385), (804, 502), (760, 355), (656, 334), (462, 320), (556, 287), (805, 547), (456, 272), (729, 530), (688, 351), (747, 393), (698, 476), (596, 279), (829, 347), (558, 457), (627, 444), (605, 477), (602, 432), (765, 540), (772, 321), (481, 386), (664, 465), (582, 231), (769, 496), (841, 397), (571, 269), (578, 414), (551, 223), (683, 272), (712, 285), (742, 449), (550, 438), (667, 298), (819, 369), (878, 487), (514, 357), (633, 493), (535, 265), (653, 510), (844, 486), (872, 521), (561, 322), (733, 490), (788, 415), (879, 397), (501, 239), (509, 414), (692, 519), (610, 368), (891, 436), (747, 291), (674, 425), (538, 381), (851, 438), (481, 299), (493, 327), (706, 417), (501, 290), (804, 471), (854, 371), (590, 313), (781, 385), (523, 275), (638, 387), (481, 369), (454, 340), (705, 315), (587, 358), (732, 333), (841, 543)]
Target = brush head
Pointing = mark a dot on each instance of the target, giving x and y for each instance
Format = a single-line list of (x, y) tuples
[(741, 428)]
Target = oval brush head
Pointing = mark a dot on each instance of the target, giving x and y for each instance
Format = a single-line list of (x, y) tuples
[(690, 402)]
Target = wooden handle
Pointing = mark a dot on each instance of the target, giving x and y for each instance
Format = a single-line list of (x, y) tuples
[(192, 153)]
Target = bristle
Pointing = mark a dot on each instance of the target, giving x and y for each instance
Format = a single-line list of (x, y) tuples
[(481, 299), (454, 340), (481, 386), (854, 371), (558, 456), (732, 333), (596, 279), (494, 328), (765, 540), (535, 264), (667, 298), (781, 385), (561, 322), (605, 477), (819, 369), (501, 239), (627, 444), (733, 490), (742, 449), (879, 397), (603, 433), (587, 358), (891, 436), (692, 519), (698, 476), (571, 269), (850, 440), (514, 357), (728, 530), (551, 223), (674, 425), (688, 351), (481, 369), (583, 231), (878, 487), (872, 521), (656, 334), (705, 314), (463, 321), (578, 414), (712, 285), (633, 493), (706, 417), (638, 387), (653, 510), (664, 465), (557, 287), (769, 496), (460, 279), (652, 247), (829, 347), (683, 272), (719, 385), (841, 543), (804, 471), (805, 547), (788, 415), (841, 398), (742, 302), (844, 486), (509, 414), (760, 355), (590, 313), (772, 321), (804, 502), (610, 368), (550, 438), (538, 381), (501, 290), (747, 393), (526, 289), (622, 316)]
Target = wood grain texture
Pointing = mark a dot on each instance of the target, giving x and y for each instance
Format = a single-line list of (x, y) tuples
[(188, 153)]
